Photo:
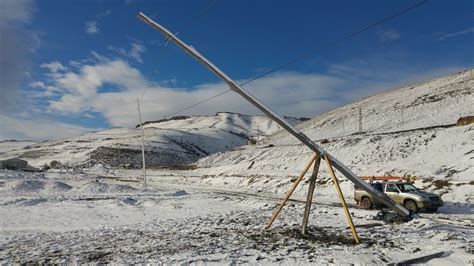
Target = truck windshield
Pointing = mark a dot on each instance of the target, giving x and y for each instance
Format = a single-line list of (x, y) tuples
[(407, 187)]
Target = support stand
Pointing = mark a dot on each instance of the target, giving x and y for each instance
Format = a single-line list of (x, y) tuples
[(312, 183)]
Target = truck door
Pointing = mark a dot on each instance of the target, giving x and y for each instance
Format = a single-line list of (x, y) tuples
[(392, 191), (379, 187)]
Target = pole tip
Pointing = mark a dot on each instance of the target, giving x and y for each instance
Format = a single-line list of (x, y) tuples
[(140, 15)]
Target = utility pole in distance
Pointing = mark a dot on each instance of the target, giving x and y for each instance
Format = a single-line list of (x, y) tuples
[(143, 145), (402, 116), (403, 119), (258, 133)]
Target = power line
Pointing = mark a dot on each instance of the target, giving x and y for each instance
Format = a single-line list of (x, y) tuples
[(193, 20), (204, 11), (309, 54), (198, 103)]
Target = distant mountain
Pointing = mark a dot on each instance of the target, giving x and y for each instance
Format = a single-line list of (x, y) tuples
[(178, 140)]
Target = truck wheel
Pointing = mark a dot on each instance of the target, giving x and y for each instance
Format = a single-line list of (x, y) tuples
[(366, 203), (411, 205)]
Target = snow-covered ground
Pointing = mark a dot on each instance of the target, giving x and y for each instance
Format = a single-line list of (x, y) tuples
[(66, 218)]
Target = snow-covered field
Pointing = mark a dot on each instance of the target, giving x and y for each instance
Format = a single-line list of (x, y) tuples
[(65, 218)]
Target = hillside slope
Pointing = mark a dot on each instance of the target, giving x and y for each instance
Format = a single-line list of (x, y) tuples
[(172, 141), (440, 101), (426, 143)]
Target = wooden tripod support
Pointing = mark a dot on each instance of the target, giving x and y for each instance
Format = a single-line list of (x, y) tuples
[(288, 194), (312, 183)]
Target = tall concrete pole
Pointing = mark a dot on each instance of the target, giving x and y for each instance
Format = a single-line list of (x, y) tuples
[(143, 143)]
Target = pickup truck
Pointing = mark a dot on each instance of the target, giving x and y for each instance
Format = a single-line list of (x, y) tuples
[(404, 193)]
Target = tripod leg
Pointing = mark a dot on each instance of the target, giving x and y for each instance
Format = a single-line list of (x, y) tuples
[(309, 198), (343, 201)]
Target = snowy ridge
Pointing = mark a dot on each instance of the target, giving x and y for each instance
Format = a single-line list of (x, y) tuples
[(167, 143), (437, 102), (10, 145)]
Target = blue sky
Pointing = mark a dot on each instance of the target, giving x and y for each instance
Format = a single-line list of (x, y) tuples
[(77, 66)]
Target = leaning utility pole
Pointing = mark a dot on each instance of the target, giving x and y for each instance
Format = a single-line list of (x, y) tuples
[(275, 117), (143, 144)]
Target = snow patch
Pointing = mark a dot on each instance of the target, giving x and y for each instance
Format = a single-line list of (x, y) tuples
[(97, 187)]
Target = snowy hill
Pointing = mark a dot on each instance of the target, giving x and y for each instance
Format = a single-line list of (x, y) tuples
[(168, 142), (437, 102), (426, 143), (10, 145)]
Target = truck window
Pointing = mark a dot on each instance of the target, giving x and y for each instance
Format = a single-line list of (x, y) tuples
[(378, 186), (391, 188), (407, 187)]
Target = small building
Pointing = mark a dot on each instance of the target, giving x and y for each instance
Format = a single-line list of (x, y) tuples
[(13, 164)]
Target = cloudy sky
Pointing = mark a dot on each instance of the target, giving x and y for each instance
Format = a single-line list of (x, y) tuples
[(67, 67)]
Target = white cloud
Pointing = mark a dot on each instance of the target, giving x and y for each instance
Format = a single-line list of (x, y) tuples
[(82, 92), (44, 90), (74, 63), (135, 52), (111, 87), (54, 67), (454, 34), (79, 88), (91, 27), (37, 128), (100, 57), (390, 35)]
